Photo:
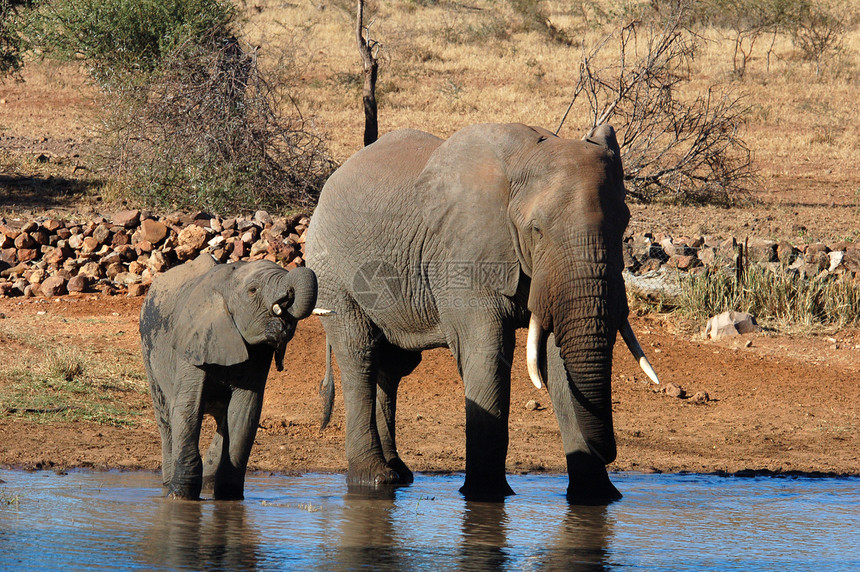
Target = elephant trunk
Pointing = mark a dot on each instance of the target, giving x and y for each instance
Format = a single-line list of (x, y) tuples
[(584, 314), (589, 375), (303, 283), (297, 296)]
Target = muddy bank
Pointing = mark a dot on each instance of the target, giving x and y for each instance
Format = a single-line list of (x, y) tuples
[(779, 403)]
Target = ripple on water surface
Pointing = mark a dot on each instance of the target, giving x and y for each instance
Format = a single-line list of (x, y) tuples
[(117, 520)]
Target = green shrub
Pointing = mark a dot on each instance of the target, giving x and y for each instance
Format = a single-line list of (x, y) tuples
[(10, 37), (122, 38), (191, 122), (206, 131)]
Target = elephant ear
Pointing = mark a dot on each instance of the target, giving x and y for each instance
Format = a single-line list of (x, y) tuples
[(604, 135), (205, 331), (463, 194)]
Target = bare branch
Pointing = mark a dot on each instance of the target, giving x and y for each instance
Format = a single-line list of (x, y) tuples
[(368, 49), (690, 151)]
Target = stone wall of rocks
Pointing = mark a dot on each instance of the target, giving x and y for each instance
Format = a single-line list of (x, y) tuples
[(49, 257), (646, 252)]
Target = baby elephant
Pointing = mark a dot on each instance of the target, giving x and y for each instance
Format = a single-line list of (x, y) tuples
[(208, 333)]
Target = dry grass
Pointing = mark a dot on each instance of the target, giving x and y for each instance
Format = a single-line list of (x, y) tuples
[(48, 376), (446, 65), (776, 298)]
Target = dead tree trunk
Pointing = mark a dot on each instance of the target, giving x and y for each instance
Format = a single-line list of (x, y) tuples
[(371, 65)]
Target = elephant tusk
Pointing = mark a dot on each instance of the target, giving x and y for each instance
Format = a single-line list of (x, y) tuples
[(636, 350), (535, 347), (277, 310), (323, 312)]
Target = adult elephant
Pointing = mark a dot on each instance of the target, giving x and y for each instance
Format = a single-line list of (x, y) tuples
[(422, 243), (208, 333)]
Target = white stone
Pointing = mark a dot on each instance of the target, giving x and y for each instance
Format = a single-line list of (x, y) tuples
[(836, 257), (730, 324)]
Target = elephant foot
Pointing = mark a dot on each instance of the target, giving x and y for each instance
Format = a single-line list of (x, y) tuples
[(208, 484), (486, 489), (405, 475), (180, 496), (374, 474), (593, 498), (184, 491), (593, 490), (589, 481), (225, 484)]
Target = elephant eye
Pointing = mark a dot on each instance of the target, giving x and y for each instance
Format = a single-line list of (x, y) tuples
[(536, 229), (252, 290)]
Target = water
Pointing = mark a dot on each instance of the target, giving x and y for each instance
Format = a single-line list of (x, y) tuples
[(91, 520)]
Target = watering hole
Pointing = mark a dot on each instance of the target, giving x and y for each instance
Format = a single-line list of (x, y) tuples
[(118, 520)]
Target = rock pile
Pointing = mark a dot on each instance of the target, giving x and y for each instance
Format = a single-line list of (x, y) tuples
[(647, 252), (49, 257)]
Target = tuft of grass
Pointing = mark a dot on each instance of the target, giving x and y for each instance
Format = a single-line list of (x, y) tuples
[(44, 399), (9, 499), (66, 364), (44, 383), (780, 297)]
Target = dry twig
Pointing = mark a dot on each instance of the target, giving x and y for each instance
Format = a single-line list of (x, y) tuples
[(208, 132), (690, 151)]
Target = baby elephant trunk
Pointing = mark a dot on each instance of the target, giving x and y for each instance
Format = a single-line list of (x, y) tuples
[(301, 287)]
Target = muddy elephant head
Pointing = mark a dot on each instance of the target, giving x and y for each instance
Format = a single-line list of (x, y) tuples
[(249, 303), (549, 215)]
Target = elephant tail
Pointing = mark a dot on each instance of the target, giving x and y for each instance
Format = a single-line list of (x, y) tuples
[(327, 387)]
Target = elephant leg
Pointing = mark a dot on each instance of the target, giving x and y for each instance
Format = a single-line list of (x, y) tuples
[(394, 364), (166, 453), (186, 416), (212, 460), (589, 482), (484, 358), (242, 420), (355, 345), (162, 419), (217, 398)]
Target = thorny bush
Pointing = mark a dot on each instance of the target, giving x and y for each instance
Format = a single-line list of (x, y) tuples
[(206, 131), (673, 149)]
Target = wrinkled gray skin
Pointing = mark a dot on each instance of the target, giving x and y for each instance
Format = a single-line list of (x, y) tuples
[(471, 236), (208, 335)]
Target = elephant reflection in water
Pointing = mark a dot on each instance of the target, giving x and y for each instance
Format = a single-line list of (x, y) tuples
[(485, 535), (368, 535), (372, 536), (579, 544), (201, 536)]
